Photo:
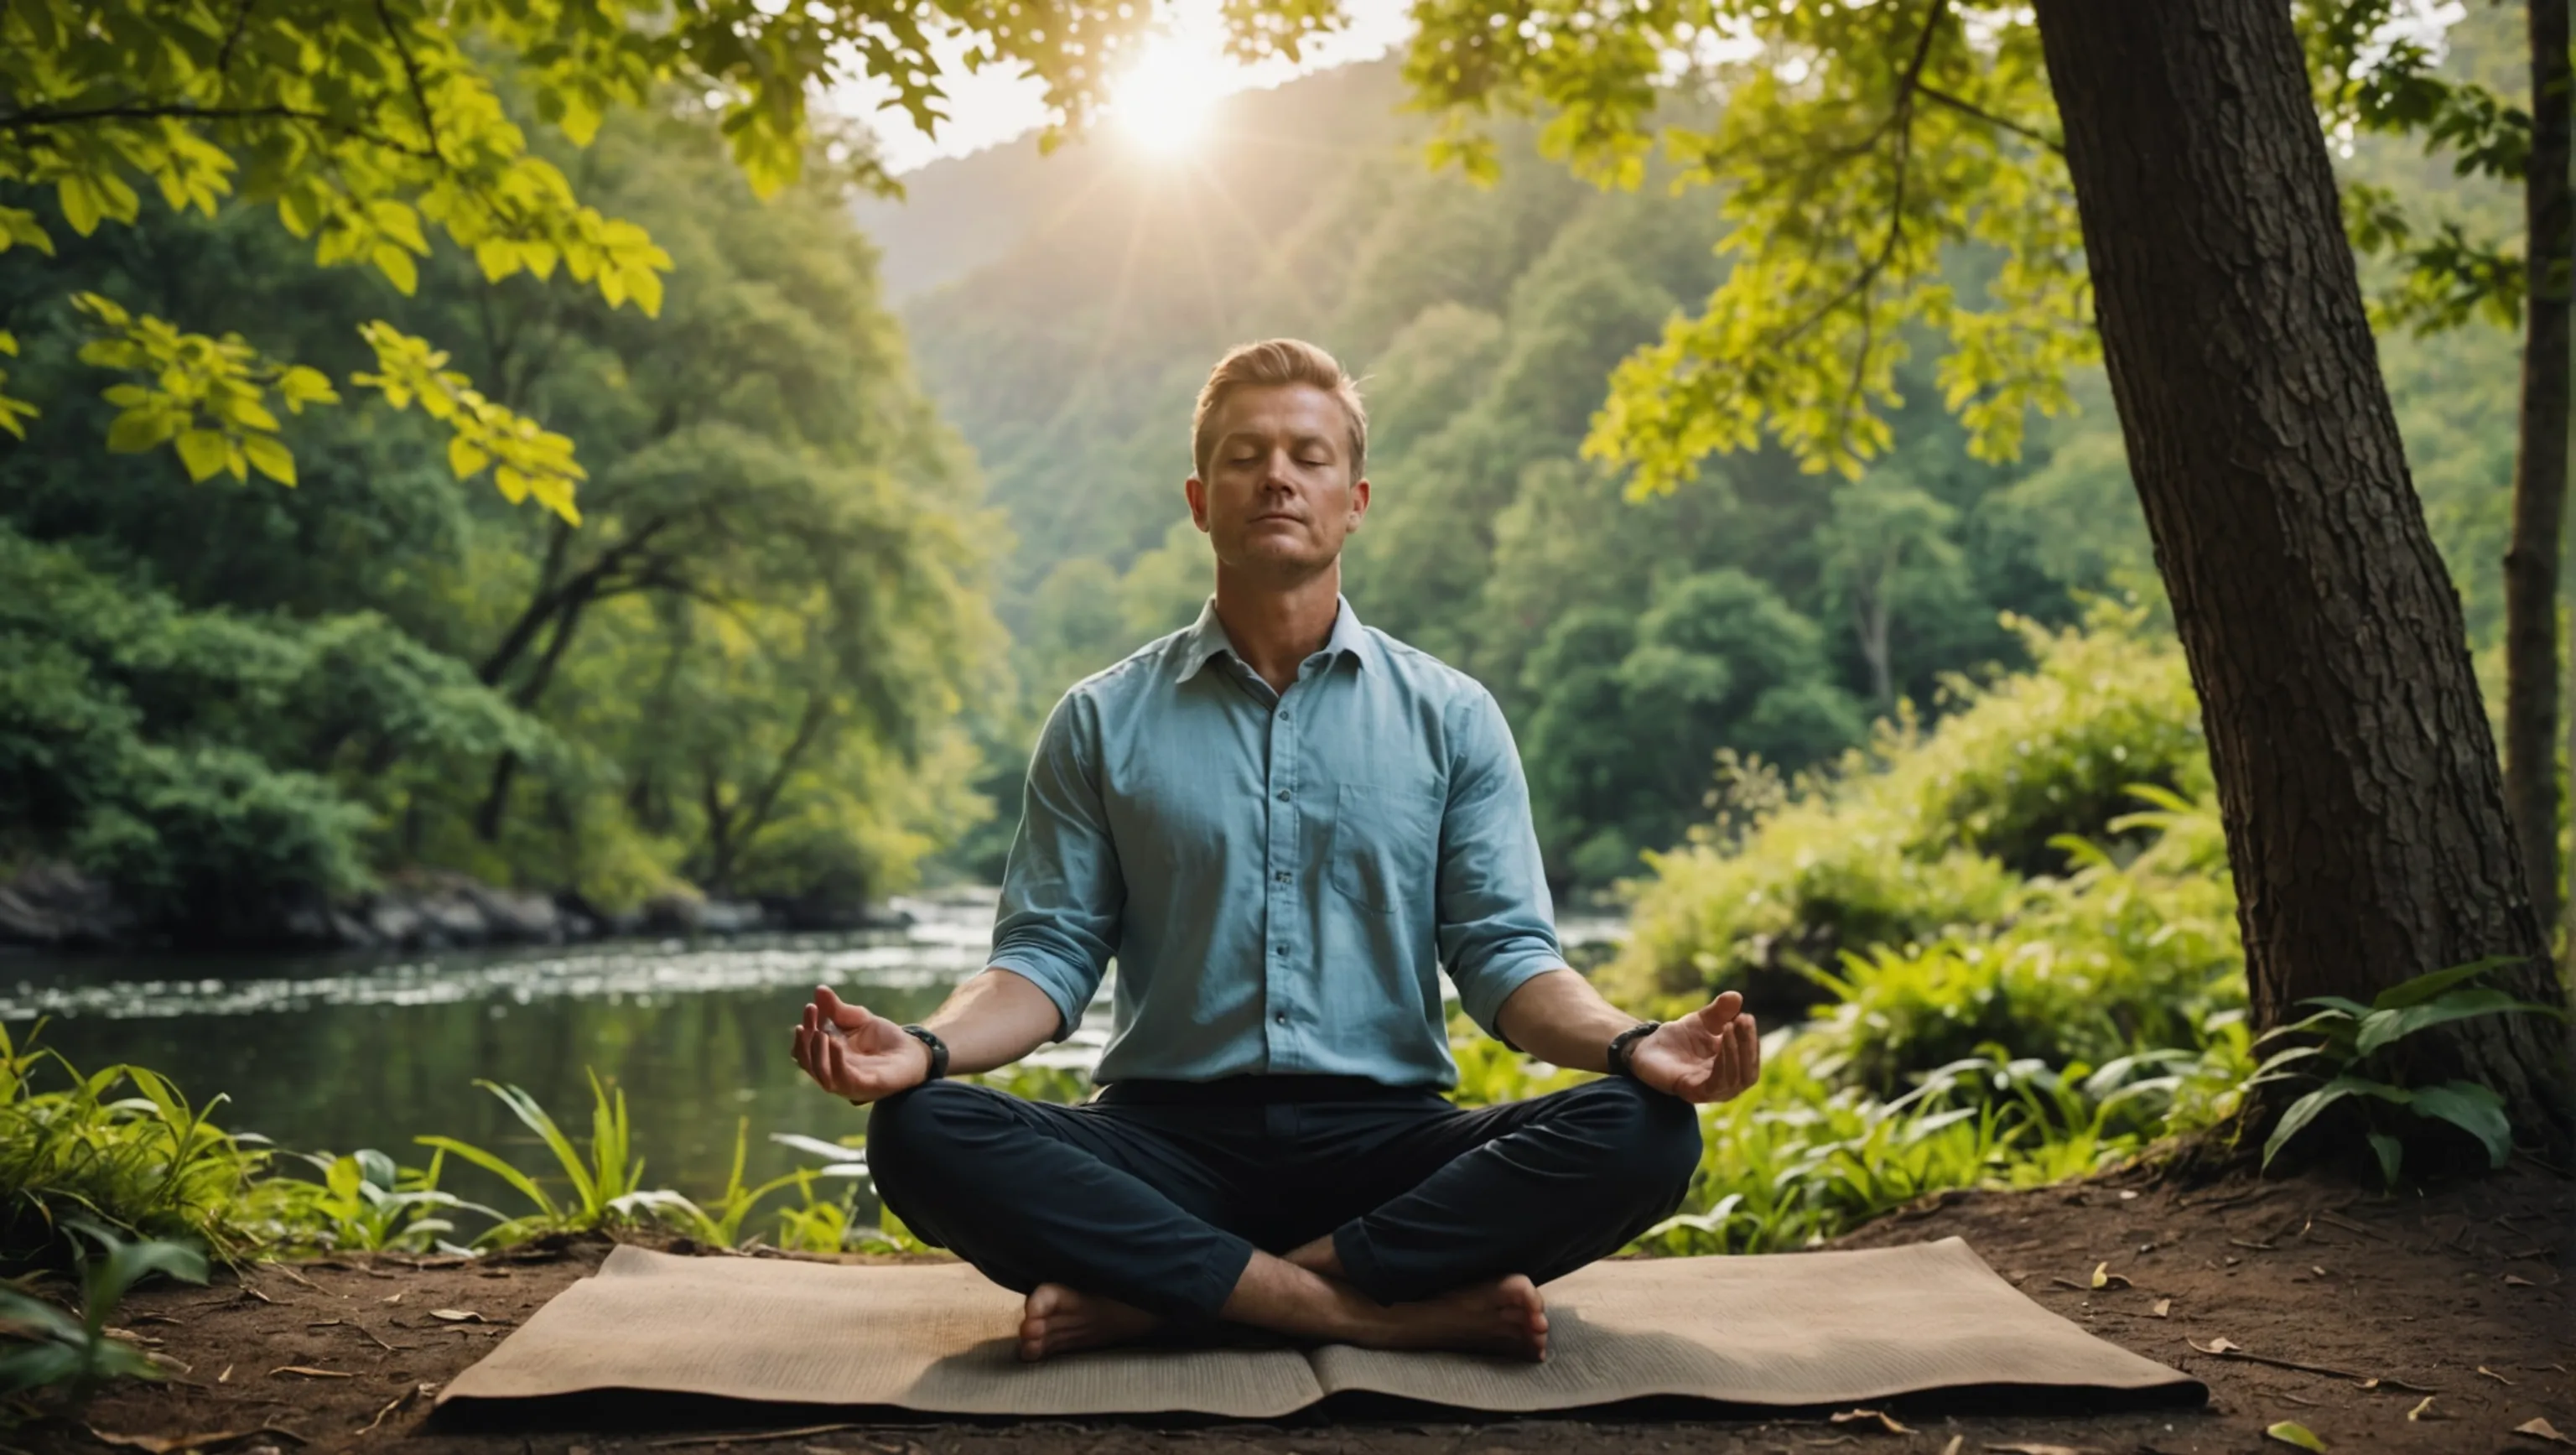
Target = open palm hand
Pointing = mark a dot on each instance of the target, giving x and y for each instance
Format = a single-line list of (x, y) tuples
[(1712, 1054), (855, 1053)]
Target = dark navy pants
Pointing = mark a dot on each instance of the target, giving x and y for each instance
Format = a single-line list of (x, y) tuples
[(1156, 1196)]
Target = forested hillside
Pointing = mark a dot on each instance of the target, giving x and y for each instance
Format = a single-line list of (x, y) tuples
[(740, 674), (1758, 609)]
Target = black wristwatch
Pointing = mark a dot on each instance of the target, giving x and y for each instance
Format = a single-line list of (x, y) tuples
[(938, 1050), (1625, 1042)]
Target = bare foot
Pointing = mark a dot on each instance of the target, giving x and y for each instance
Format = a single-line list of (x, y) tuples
[(1505, 1317), (1059, 1320)]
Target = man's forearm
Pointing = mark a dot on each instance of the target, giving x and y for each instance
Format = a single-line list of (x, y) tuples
[(1559, 1018), (993, 1020)]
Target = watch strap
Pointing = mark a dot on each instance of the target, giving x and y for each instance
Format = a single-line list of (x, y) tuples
[(1624, 1043), (938, 1050)]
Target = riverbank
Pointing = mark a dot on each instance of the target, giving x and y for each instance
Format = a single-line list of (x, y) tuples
[(2453, 1302), (51, 906)]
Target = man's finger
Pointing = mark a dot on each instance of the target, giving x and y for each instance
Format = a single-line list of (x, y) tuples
[(838, 1012), (1719, 1013), (837, 1057)]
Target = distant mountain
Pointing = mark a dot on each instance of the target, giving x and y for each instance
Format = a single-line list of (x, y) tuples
[(962, 214)]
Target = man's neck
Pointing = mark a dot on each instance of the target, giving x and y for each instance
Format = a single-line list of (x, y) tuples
[(1275, 628)]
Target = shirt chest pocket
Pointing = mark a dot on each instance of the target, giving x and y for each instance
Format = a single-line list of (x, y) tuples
[(1384, 850)]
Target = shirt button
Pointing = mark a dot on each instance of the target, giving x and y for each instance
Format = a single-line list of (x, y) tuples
[(1279, 950), (1281, 876), (1282, 1017), (1283, 795)]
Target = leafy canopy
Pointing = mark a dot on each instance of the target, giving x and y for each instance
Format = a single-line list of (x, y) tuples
[(1858, 146), (367, 125)]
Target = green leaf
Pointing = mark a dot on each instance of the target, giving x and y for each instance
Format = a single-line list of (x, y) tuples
[(2392, 1153), (2291, 1432), (80, 201), (2382, 1027), (397, 266), (537, 1120), (2472, 1108), (2306, 1108), (270, 458), (203, 451), (518, 1180), (137, 430), (2424, 987)]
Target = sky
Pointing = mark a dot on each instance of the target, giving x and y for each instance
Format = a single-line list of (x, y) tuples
[(1155, 104)]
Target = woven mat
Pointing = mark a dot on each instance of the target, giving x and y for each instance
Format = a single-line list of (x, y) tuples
[(1794, 1329)]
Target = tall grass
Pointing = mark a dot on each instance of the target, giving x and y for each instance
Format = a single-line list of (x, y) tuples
[(119, 1147)]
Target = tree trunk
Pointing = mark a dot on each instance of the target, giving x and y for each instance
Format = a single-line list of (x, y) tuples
[(2540, 472), (2356, 774)]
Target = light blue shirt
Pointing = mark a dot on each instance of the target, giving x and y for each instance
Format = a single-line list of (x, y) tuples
[(1280, 875)]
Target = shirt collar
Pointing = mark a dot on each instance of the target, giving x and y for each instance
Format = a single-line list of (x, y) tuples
[(1205, 640)]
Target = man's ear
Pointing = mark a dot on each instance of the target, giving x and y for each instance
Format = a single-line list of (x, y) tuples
[(1359, 501), (1195, 491)]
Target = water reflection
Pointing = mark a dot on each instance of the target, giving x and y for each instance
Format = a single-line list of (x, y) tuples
[(341, 1052)]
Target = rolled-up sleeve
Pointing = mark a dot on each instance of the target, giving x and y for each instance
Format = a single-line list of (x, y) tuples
[(1062, 893), (1497, 926)]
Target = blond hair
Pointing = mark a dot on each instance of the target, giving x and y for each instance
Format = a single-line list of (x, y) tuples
[(1270, 363)]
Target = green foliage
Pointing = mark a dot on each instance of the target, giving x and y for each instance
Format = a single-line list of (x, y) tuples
[(164, 749), (2353, 1058), (1926, 836), (742, 675), (1858, 150), (606, 1182), (366, 126), (52, 1350), (363, 1203), (148, 1163)]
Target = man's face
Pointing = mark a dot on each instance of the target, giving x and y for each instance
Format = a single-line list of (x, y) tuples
[(1278, 497)]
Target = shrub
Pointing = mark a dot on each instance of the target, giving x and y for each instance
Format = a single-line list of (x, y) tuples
[(1928, 833), (147, 1164)]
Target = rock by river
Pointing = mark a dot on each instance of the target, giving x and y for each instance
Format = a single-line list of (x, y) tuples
[(54, 906)]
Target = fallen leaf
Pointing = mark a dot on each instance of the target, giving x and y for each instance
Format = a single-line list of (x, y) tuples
[(226, 1377), (2163, 1307), (2491, 1374), (398, 1401), (2042, 1449), (458, 1316), (1956, 1442), (2291, 1432), (1878, 1419), (2540, 1429), (394, 1297), (2219, 1345), (2422, 1411), (309, 1372), (2516, 1280)]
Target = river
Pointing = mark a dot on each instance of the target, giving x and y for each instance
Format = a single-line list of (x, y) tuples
[(340, 1052)]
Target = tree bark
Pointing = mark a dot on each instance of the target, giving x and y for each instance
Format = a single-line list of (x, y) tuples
[(2540, 470), (2356, 773)]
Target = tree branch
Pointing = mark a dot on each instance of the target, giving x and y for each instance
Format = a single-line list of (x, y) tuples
[(1989, 118), (411, 73), (40, 119)]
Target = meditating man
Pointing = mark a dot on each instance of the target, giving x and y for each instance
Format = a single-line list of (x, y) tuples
[(1282, 824)]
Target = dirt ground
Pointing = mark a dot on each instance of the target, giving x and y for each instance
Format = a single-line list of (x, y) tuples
[(2455, 1303)]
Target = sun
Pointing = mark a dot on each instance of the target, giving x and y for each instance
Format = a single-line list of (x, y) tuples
[(1163, 101)]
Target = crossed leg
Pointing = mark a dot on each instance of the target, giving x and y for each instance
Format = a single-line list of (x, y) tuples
[(1110, 1226), (1303, 1295)]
